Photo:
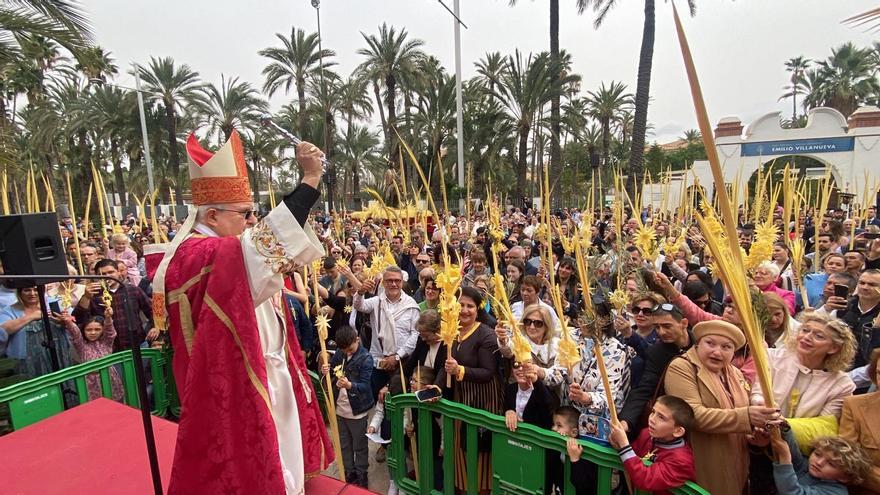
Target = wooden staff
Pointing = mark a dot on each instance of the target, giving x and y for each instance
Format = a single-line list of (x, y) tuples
[(79, 261), (322, 323)]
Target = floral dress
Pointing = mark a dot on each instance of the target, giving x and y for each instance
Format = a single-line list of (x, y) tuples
[(595, 419), (89, 351)]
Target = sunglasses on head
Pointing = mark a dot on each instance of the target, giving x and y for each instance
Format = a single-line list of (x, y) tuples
[(669, 308), (536, 323)]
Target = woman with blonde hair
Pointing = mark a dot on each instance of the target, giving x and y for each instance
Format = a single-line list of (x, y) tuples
[(538, 328), (780, 324), (810, 382)]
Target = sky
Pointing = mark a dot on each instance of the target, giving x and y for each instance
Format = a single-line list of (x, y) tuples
[(739, 47)]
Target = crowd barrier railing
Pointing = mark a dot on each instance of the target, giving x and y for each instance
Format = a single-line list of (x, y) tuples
[(518, 458), (39, 398)]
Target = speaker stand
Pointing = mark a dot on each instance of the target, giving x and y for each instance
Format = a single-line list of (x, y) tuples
[(49, 339)]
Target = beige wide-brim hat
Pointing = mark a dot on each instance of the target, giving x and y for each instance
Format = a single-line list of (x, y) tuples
[(722, 328)]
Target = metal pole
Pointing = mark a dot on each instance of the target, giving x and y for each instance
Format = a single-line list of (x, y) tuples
[(329, 178), (147, 158), (458, 108)]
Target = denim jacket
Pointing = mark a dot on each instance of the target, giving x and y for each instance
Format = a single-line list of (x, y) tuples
[(358, 370)]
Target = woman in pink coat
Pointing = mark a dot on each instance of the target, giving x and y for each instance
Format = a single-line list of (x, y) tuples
[(766, 277)]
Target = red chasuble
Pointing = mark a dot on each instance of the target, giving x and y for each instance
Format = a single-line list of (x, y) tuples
[(227, 439)]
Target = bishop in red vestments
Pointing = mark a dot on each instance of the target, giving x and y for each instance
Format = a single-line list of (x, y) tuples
[(250, 420)]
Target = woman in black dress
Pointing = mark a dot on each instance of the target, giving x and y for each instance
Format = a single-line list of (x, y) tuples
[(473, 366)]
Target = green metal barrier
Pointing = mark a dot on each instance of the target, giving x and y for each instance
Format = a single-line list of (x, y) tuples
[(40, 398), (518, 458)]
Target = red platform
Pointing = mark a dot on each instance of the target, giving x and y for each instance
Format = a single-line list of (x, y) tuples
[(98, 448)]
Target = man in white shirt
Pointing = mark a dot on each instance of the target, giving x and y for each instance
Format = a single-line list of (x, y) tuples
[(393, 316)]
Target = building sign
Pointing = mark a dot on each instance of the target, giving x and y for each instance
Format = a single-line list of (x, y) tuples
[(798, 146)]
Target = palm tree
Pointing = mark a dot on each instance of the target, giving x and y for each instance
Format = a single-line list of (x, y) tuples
[(389, 56), (606, 104), (62, 22), (354, 101), (96, 64), (489, 70), (643, 82), (796, 66), (692, 136), (844, 81), (293, 64), (233, 105), (525, 87), (175, 87), (358, 148), (113, 112)]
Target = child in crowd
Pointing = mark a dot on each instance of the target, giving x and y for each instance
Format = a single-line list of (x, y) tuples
[(527, 400), (834, 463), (94, 341), (352, 366), (119, 249), (565, 423), (663, 443)]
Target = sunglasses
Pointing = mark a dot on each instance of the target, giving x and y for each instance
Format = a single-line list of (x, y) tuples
[(422, 262), (536, 323), (247, 213), (669, 308), (644, 311)]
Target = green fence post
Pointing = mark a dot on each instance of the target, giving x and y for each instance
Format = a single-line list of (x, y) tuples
[(448, 455), (425, 446), (471, 458)]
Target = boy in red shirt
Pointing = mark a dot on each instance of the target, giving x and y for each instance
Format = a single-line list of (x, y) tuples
[(662, 443)]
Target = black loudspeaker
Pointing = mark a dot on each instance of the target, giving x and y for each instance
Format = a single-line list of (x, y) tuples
[(31, 245)]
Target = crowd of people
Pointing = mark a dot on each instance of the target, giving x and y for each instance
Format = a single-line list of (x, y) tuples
[(682, 377)]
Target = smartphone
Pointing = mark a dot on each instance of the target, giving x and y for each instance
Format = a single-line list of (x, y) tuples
[(54, 307), (427, 394), (841, 290), (870, 235)]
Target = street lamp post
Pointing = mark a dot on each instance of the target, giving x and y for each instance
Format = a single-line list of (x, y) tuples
[(459, 121), (140, 99), (147, 158)]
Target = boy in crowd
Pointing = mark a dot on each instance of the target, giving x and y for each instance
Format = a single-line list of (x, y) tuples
[(662, 443), (353, 366), (834, 463)]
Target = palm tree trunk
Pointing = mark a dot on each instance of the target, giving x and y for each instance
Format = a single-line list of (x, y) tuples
[(171, 127), (555, 152), (522, 163), (381, 113), (390, 86), (356, 182), (643, 92), (301, 95)]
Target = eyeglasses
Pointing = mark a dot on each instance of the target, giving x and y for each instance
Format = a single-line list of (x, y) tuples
[(247, 213), (642, 310), (393, 281), (536, 323)]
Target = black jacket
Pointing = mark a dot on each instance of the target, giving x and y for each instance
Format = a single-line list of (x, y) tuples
[(417, 358), (657, 358), (867, 337), (538, 409)]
